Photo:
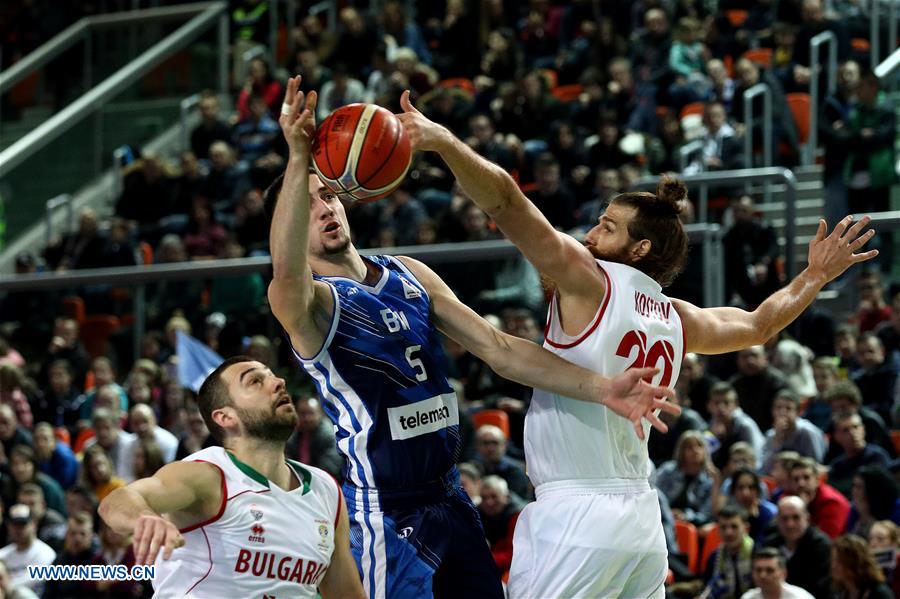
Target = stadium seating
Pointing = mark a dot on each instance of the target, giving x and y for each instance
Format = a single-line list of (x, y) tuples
[(688, 543)]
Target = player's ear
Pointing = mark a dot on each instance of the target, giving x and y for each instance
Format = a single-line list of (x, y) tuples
[(226, 417), (642, 248)]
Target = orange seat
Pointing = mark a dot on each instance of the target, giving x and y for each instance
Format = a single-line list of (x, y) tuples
[(62, 434), (73, 307), (799, 104), (895, 437), (83, 437), (860, 44), (498, 418), (711, 541), (670, 577), (95, 332), (736, 17), (146, 252), (692, 108), (567, 93), (760, 56), (688, 543), (463, 83), (770, 482)]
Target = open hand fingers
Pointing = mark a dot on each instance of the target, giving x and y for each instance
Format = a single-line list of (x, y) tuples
[(661, 404), (861, 240), (656, 423), (405, 103), (858, 226), (159, 537), (841, 227), (173, 542), (642, 373), (141, 540), (864, 256), (639, 429), (822, 230)]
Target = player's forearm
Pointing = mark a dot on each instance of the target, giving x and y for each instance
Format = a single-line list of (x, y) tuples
[(289, 233), (122, 508), (784, 306), (489, 186), (530, 364)]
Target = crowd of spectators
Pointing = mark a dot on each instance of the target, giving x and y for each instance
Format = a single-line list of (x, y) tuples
[(785, 450)]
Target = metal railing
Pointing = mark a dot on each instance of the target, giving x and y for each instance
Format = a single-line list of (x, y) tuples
[(688, 150), (749, 95), (184, 113), (888, 68), (138, 277), (206, 14), (826, 37), (53, 204), (703, 180), (875, 29)]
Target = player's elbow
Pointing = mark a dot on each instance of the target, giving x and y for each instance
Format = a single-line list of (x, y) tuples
[(500, 355)]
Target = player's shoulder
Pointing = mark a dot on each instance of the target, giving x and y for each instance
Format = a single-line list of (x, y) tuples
[(318, 480)]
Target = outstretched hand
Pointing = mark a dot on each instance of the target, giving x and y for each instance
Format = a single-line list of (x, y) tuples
[(298, 121), (424, 134), (831, 255), (629, 396)]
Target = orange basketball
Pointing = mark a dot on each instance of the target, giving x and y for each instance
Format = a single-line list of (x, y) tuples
[(361, 152)]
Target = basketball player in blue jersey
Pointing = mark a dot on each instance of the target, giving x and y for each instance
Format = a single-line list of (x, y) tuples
[(595, 529), (366, 330)]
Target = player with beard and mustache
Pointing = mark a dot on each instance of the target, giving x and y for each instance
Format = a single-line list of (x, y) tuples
[(240, 520), (595, 528), (367, 332)]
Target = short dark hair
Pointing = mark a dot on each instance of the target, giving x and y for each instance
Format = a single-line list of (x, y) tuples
[(213, 395), (723, 388), (788, 395), (731, 510), (770, 553), (844, 390), (657, 220)]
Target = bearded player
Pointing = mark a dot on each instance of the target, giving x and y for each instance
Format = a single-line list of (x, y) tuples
[(366, 330), (240, 520), (595, 529)]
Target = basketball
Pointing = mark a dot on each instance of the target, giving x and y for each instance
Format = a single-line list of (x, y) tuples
[(361, 152)]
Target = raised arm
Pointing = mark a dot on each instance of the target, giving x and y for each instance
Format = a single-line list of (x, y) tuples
[(530, 364), (553, 253), (293, 294), (188, 492), (722, 330)]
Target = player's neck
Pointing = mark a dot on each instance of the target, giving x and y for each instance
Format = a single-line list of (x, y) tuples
[(348, 264), (266, 458)]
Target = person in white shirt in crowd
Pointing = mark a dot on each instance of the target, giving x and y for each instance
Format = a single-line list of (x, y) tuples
[(119, 444), (11, 590), (25, 549), (143, 423), (790, 432), (769, 574)]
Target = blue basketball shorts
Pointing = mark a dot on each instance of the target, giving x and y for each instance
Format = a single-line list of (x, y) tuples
[(428, 548)]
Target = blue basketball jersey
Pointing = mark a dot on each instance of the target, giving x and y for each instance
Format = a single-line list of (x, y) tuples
[(381, 377)]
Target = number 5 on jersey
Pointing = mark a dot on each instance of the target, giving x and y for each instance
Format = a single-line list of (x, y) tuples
[(661, 349)]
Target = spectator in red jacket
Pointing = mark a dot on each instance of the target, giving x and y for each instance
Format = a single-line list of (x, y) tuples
[(499, 514), (261, 83), (828, 509)]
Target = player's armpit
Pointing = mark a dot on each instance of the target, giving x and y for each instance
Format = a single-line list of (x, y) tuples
[(188, 492), (305, 319), (342, 577), (718, 330)]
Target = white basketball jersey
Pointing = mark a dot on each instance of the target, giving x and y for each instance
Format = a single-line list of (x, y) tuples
[(636, 325), (264, 542)]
